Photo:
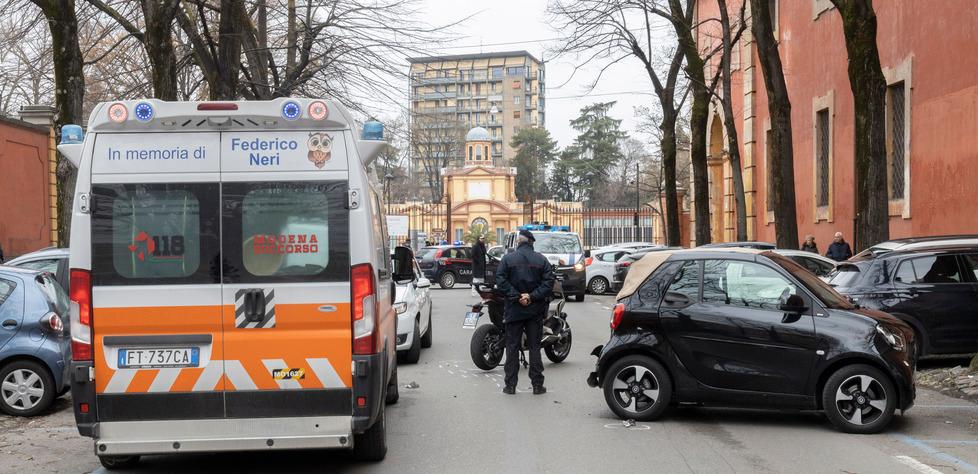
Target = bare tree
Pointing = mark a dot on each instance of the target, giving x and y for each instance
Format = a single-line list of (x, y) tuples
[(609, 32), (436, 142), (729, 38), (869, 99), (781, 158)]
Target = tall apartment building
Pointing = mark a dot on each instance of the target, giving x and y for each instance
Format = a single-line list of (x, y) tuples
[(501, 92)]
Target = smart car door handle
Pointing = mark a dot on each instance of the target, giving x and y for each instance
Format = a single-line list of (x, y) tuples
[(9, 324)]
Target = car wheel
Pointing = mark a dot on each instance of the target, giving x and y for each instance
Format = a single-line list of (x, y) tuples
[(637, 388), (579, 297), (426, 338), (859, 399), (118, 462), (598, 286), (371, 445), (26, 388), (447, 280), (393, 393), (413, 355)]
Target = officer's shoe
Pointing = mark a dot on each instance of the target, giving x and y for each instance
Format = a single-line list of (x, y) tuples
[(539, 389), (509, 390)]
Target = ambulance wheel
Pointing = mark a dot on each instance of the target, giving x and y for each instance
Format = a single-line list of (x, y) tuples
[(426, 339), (393, 395), (371, 445), (118, 462), (413, 354), (447, 280)]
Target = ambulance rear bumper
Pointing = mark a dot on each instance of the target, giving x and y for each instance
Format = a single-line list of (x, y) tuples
[(240, 434)]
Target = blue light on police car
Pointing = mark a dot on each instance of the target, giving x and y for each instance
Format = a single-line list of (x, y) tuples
[(291, 110), (143, 112), (71, 134)]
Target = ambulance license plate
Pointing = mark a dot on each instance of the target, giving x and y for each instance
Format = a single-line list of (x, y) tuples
[(471, 320), (158, 358)]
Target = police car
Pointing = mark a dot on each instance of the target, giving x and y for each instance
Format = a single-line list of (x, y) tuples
[(231, 286), (563, 250)]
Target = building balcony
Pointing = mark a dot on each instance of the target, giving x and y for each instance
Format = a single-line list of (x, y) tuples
[(433, 80), (439, 95)]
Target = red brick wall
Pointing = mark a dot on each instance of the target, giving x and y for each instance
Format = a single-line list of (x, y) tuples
[(943, 100), (25, 203)]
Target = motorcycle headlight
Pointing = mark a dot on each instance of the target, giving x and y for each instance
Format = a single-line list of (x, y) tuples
[(579, 267), (400, 307), (892, 337)]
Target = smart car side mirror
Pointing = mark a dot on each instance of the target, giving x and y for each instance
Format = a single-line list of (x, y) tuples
[(793, 305), (403, 265)]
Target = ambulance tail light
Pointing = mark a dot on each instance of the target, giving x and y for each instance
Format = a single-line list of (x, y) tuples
[(364, 300), (80, 284), (217, 106)]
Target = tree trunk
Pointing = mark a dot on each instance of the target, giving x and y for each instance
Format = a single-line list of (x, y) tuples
[(699, 114), (158, 41), (869, 100), (781, 160), (733, 141), (228, 52), (69, 92), (668, 146)]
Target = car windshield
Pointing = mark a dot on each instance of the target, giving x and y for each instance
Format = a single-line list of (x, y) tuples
[(819, 288), (427, 253), (557, 243), (844, 276)]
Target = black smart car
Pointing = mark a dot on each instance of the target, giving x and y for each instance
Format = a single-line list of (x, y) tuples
[(932, 288), (750, 328)]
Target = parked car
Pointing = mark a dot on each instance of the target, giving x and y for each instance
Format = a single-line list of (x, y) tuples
[(601, 268), (820, 265), (563, 250), (744, 245), (496, 251), (413, 305), (754, 329), (446, 264), (53, 260), (623, 263), (630, 245), (35, 349), (933, 289), (914, 243)]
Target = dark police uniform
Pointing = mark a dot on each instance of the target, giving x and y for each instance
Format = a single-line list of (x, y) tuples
[(525, 271)]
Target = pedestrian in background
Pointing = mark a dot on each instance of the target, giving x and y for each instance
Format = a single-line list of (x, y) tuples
[(810, 245), (527, 279), (478, 263), (839, 250)]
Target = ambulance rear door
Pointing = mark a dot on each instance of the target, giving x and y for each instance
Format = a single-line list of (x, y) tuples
[(286, 266), (156, 292)]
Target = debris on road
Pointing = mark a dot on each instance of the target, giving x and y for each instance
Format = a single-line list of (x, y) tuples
[(412, 385), (628, 423)]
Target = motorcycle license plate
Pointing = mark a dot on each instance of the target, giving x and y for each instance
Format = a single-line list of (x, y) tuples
[(471, 320)]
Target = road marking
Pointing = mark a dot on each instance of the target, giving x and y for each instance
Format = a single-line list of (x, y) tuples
[(635, 427), (606, 307), (959, 407), (923, 446), (953, 441), (916, 465)]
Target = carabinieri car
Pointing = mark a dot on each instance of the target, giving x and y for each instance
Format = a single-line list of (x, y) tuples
[(742, 327)]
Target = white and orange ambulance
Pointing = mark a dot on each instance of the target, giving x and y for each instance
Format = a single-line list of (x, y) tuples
[(230, 281)]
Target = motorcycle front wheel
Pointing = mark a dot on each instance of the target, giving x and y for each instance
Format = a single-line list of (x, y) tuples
[(560, 349), (486, 347)]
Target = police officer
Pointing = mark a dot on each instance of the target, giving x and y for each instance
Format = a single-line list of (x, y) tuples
[(527, 279)]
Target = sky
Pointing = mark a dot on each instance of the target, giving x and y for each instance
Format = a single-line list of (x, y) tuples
[(522, 25)]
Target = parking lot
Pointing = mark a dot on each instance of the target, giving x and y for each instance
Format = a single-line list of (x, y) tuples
[(452, 417)]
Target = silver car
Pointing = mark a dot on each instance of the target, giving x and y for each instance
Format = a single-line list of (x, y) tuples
[(601, 268)]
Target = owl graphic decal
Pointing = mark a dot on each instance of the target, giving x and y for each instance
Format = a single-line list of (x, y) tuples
[(319, 144)]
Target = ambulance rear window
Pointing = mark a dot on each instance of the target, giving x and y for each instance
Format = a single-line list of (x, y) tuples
[(285, 231), (161, 233)]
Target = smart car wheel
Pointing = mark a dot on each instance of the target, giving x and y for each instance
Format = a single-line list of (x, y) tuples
[(447, 280), (859, 399), (637, 388), (598, 286), (26, 388)]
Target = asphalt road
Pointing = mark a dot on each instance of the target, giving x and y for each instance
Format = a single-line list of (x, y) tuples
[(457, 420)]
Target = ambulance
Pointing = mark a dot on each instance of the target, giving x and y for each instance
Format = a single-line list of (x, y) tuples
[(231, 286)]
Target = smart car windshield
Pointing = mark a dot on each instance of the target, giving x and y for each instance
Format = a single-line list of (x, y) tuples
[(819, 288), (557, 243)]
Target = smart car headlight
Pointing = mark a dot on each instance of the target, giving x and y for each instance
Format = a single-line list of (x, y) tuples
[(400, 307), (892, 337)]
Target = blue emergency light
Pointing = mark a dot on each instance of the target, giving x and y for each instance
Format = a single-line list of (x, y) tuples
[(71, 134), (544, 227), (372, 130), (143, 112), (291, 110)]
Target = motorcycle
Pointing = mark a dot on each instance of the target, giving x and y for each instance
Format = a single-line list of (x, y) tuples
[(488, 343)]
